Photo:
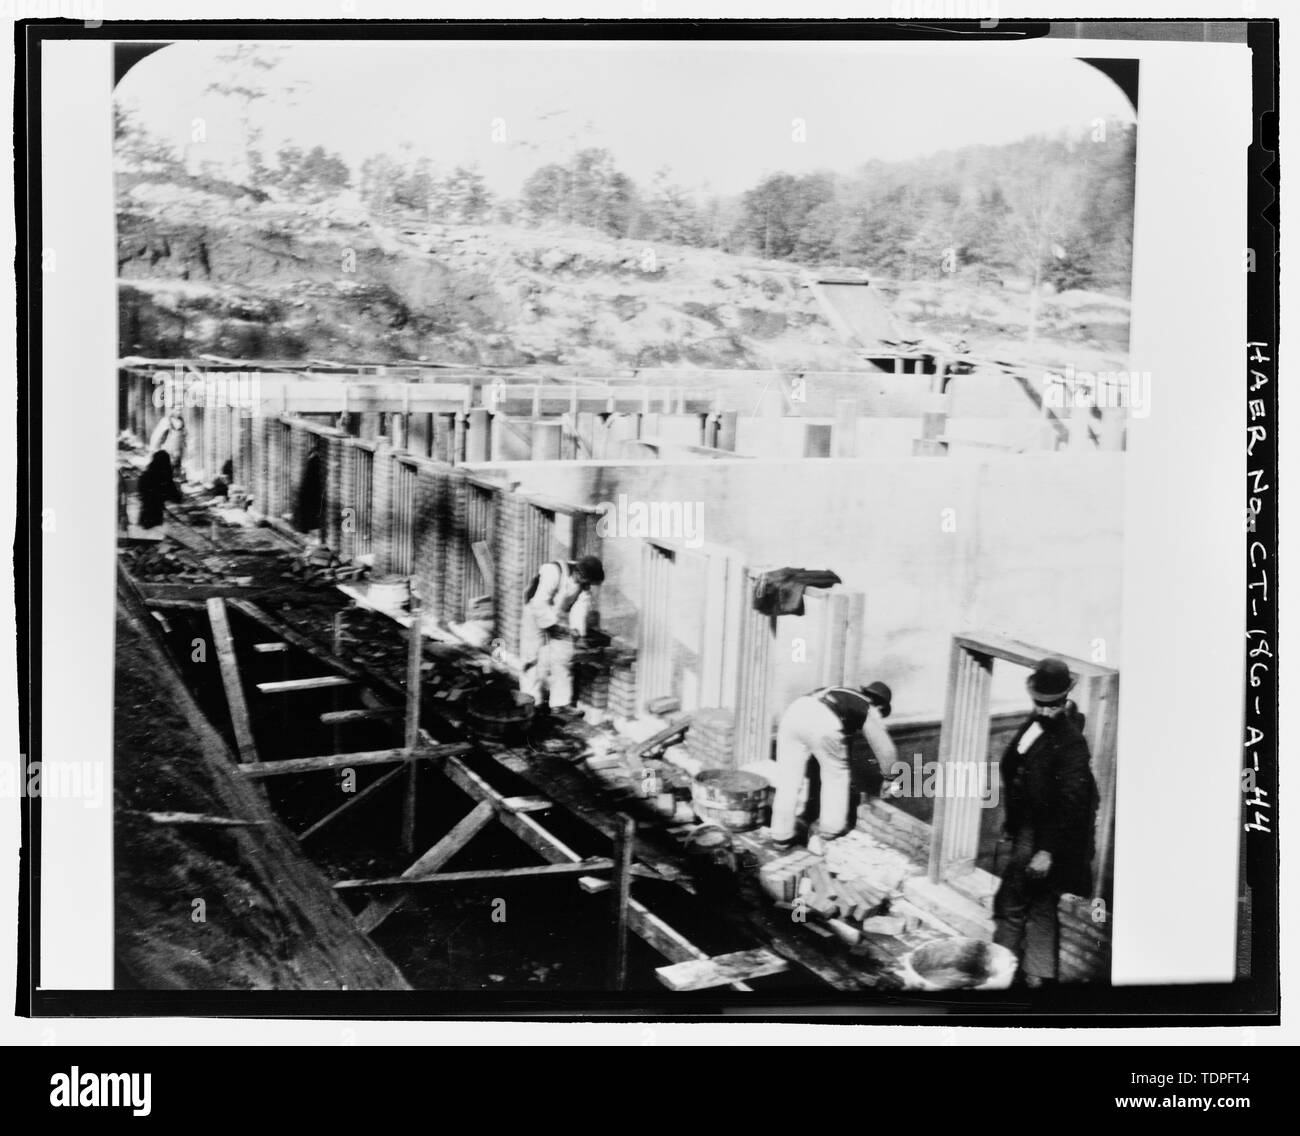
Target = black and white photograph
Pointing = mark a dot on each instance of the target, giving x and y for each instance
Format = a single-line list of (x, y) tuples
[(621, 524), (610, 550)]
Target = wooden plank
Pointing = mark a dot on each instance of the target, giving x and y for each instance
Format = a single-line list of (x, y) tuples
[(414, 678), (490, 875), (295, 765), (369, 714), (292, 685), (624, 838), (230, 679), (469, 826), (527, 804), (176, 605), (354, 800), (197, 592), (701, 974)]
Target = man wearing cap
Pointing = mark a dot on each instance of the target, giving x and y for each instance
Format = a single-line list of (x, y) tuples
[(1051, 804), (826, 725), (557, 613)]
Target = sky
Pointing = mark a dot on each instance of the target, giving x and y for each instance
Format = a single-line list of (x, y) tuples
[(719, 116)]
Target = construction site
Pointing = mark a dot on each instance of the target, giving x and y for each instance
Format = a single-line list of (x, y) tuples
[(321, 732)]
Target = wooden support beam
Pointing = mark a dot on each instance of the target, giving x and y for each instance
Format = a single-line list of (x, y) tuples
[(294, 765), (624, 839), (175, 605), (230, 679), (473, 823), (293, 685), (369, 714), (701, 974), (490, 875), (414, 657), (349, 805)]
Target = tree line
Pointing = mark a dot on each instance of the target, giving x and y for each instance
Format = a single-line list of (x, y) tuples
[(1048, 209)]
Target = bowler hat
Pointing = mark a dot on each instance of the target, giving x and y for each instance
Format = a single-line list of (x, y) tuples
[(879, 693), (1050, 682), (590, 569)]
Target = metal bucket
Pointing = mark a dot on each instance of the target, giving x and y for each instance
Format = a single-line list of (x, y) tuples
[(730, 798)]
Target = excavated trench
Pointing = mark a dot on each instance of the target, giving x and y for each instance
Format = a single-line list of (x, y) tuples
[(519, 935)]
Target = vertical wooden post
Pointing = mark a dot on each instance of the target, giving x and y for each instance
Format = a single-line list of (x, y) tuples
[(413, 660), (337, 645), (624, 837)]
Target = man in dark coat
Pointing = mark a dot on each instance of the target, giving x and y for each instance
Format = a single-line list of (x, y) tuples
[(1051, 804)]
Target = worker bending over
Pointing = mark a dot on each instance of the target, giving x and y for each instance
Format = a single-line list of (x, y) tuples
[(557, 614), (828, 725)]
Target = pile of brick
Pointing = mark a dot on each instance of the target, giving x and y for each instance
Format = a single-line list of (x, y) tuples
[(711, 740), (781, 877), (875, 871)]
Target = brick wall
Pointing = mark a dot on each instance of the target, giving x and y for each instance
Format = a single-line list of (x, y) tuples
[(334, 500), (1084, 941), (508, 557), (426, 545), (895, 829), (349, 509), (381, 541)]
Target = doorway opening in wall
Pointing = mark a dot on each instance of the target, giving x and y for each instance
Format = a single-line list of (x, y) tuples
[(967, 824)]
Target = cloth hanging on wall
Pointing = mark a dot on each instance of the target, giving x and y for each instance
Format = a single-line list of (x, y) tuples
[(780, 591)]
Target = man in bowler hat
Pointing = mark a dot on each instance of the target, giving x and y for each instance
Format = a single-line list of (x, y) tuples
[(1051, 804)]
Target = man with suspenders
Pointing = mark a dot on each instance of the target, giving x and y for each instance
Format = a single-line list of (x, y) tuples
[(824, 725), (557, 613)]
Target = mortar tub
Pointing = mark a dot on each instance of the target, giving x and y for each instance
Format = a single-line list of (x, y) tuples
[(730, 798), (959, 964), (501, 715)]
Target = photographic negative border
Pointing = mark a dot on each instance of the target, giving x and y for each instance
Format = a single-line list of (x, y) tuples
[(1255, 995)]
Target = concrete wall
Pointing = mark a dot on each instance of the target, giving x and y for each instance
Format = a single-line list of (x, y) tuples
[(1028, 545), (777, 438)]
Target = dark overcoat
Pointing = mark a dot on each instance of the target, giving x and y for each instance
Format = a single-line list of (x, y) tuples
[(1050, 790)]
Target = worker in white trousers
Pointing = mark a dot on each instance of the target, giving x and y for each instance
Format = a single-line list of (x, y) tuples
[(825, 725), (557, 614)]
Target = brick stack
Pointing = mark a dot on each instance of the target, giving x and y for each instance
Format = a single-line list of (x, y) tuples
[(1084, 945), (426, 549), (621, 698), (781, 877), (711, 740)]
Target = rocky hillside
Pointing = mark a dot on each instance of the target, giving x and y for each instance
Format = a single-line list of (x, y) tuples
[(204, 268)]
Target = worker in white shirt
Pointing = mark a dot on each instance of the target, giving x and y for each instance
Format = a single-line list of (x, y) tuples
[(557, 614), (825, 725), (169, 436)]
